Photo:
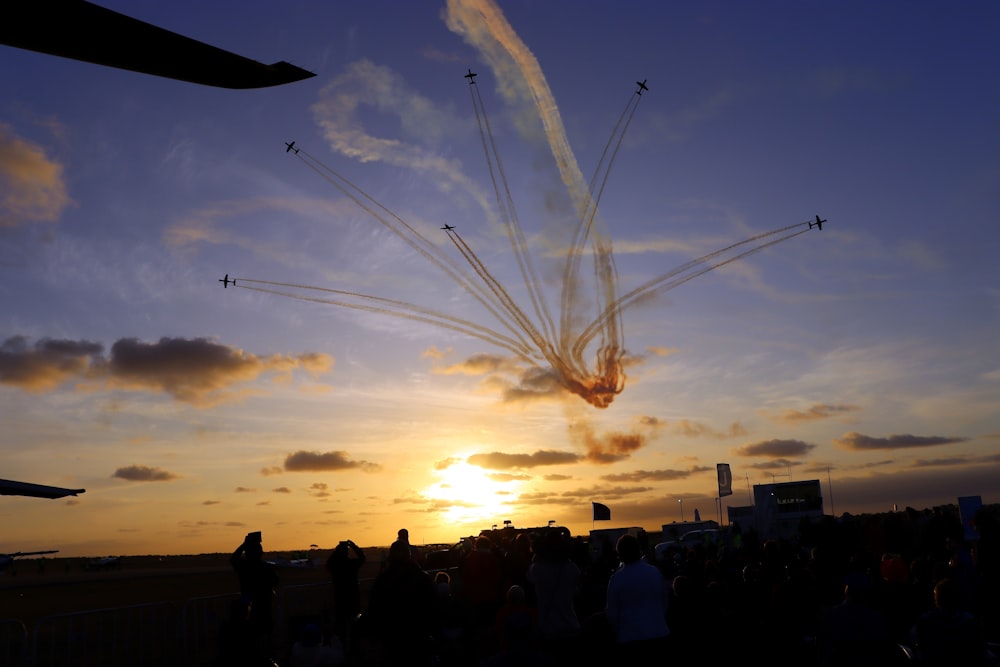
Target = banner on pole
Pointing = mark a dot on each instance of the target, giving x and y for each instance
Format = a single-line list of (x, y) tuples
[(725, 479), (601, 512)]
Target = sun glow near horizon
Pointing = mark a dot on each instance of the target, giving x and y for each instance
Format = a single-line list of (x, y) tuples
[(470, 493)]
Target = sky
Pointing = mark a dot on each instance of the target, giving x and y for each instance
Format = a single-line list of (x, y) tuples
[(371, 371)]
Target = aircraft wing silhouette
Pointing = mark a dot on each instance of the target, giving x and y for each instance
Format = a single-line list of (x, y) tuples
[(84, 31), (12, 488)]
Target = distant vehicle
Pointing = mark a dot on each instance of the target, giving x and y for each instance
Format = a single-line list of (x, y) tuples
[(7, 560), (707, 536), (291, 147), (471, 76), (642, 86), (447, 228), (292, 562), (818, 223), (105, 563), (225, 281)]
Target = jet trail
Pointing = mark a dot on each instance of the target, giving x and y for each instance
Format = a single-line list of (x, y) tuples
[(538, 340)]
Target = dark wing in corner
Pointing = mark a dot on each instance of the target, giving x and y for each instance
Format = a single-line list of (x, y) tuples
[(84, 31), (11, 488)]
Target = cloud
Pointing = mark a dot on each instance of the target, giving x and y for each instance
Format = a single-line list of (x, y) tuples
[(303, 461), (574, 496), (196, 371), (192, 370), (365, 90), (444, 464), (508, 477), (775, 448), (814, 413), (138, 473), (656, 475), (31, 185), (501, 461), (47, 364), (244, 489), (860, 443), (612, 447)]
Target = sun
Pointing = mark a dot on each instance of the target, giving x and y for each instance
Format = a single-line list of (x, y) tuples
[(469, 493)]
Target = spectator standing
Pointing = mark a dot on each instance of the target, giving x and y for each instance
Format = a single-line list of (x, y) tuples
[(556, 579), (344, 572), (637, 601), (258, 586)]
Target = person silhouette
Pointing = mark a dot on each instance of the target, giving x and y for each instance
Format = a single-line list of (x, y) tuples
[(346, 591), (638, 597), (258, 583), (399, 606)]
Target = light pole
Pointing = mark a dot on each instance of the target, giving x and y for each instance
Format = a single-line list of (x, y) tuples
[(681, 501)]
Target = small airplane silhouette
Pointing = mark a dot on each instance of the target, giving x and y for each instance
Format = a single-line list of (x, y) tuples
[(225, 281), (7, 560), (447, 228), (291, 147), (818, 224), (471, 76), (642, 86)]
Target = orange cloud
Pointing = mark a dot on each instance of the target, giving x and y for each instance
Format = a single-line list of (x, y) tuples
[(139, 473), (32, 188), (501, 461), (860, 443), (775, 448), (302, 461), (814, 413)]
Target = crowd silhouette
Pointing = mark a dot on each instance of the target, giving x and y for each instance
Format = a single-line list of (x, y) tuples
[(910, 588)]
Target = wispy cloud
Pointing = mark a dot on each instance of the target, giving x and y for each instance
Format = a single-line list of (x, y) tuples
[(666, 475), (32, 188), (815, 412)]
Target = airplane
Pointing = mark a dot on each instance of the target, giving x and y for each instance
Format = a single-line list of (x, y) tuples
[(447, 228), (471, 76), (90, 33), (291, 147), (818, 223), (642, 86), (7, 560), (225, 281), (12, 488)]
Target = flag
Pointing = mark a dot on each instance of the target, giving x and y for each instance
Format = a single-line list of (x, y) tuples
[(725, 479), (601, 512)]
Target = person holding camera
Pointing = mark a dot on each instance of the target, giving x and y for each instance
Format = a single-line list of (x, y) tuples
[(344, 571), (258, 586)]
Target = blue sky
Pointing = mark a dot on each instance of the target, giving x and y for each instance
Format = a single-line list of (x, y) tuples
[(864, 354)]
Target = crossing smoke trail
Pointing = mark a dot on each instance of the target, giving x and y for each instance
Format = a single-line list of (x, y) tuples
[(557, 346)]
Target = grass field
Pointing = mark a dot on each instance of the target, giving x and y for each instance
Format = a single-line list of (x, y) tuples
[(37, 588)]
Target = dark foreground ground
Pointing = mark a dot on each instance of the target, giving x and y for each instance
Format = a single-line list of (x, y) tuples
[(35, 589)]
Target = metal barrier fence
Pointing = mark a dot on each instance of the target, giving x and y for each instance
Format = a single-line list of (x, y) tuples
[(154, 635), (13, 643), (136, 635)]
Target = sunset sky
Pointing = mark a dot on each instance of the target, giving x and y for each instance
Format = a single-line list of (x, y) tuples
[(865, 354)]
